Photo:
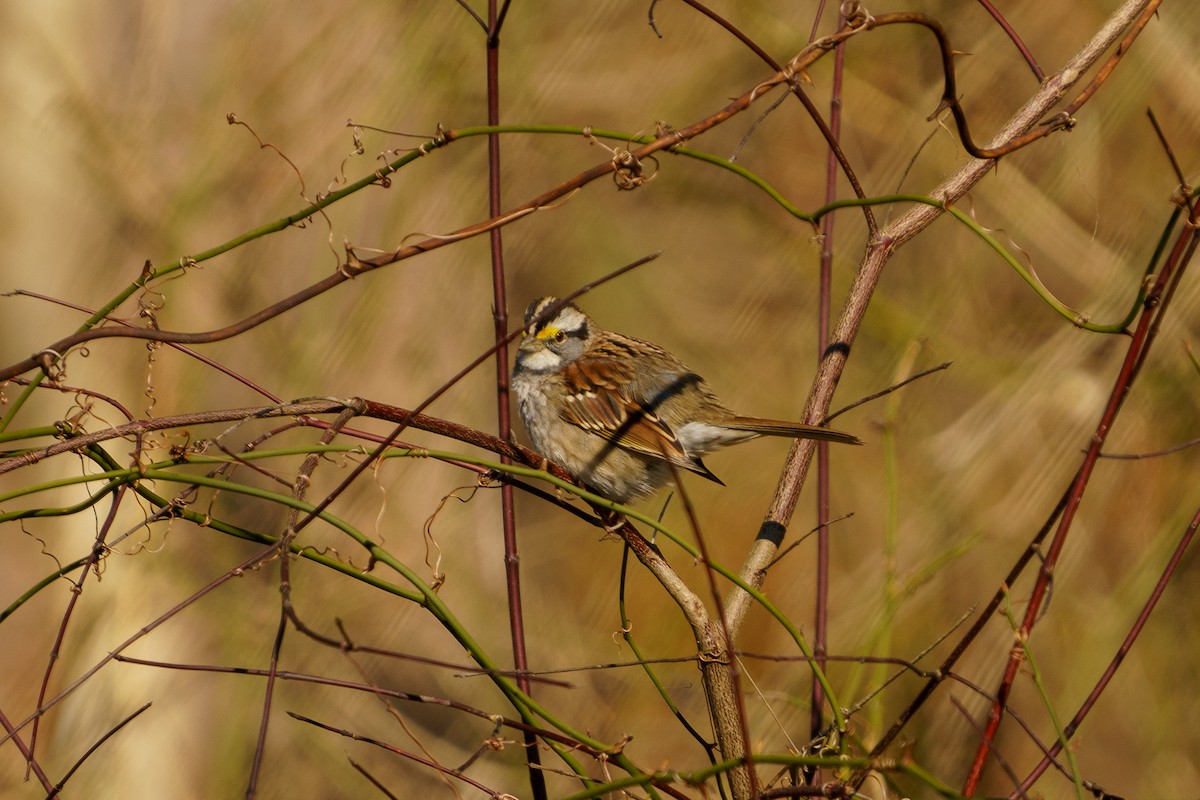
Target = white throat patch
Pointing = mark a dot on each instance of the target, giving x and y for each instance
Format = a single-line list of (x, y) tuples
[(541, 360)]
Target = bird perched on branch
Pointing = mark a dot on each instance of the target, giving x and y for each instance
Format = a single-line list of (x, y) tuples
[(615, 411)]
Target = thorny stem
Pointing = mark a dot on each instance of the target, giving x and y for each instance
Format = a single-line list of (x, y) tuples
[(26, 752), (1016, 39), (722, 674), (1156, 304), (287, 611), (899, 232), (824, 313), (879, 252), (508, 519), (870, 270), (93, 560), (355, 265), (1159, 587), (830, 134), (58, 787)]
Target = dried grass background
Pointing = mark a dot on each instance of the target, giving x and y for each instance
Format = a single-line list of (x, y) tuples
[(115, 150)]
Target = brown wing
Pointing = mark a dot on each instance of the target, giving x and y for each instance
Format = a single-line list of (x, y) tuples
[(598, 400)]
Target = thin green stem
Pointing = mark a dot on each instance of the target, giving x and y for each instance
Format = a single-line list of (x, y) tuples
[(160, 471), (29, 593), (424, 595), (627, 635)]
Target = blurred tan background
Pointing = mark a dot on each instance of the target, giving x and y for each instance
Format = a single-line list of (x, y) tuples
[(115, 149)]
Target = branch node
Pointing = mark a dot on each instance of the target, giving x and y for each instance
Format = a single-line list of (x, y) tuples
[(353, 267), (51, 362), (438, 140), (857, 17)]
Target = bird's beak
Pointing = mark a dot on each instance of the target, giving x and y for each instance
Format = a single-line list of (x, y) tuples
[(529, 344)]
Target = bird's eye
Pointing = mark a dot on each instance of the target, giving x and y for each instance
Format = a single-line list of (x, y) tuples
[(560, 337)]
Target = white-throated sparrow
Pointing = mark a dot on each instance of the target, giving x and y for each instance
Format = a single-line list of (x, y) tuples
[(613, 410)]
